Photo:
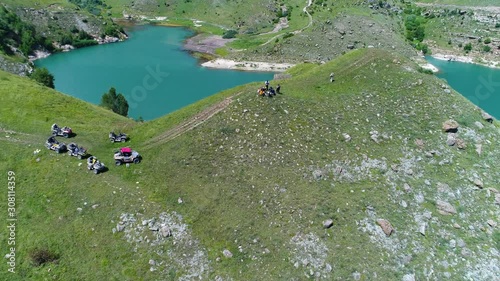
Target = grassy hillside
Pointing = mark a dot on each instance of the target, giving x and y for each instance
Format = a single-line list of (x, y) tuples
[(245, 193)]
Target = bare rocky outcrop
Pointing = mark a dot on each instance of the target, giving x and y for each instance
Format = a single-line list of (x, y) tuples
[(19, 68)]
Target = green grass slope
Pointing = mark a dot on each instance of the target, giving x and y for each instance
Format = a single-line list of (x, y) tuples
[(245, 193)]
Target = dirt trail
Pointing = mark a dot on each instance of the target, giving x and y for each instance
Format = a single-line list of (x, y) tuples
[(16, 137), (190, 123), (309, 3)]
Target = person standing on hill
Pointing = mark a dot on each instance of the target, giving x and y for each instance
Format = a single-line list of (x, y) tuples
[(267, 84), (331, 77), (278, 89)]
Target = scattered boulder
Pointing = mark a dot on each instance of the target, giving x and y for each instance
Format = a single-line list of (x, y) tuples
[(451, 140), (419, 143), (497, 198), (479, 125), (461, 143), (453, 243), (317, 174), (460, 243), (478, 183), (419, 198), (120, 227), (487, 117), (374, 136), (165, 232), (227, 253), (421, 229), (407, 188), (492, 223), (443, 187), (386, 226), (409, 277), (347, 138), (328, 223), (450, 126), (445, 208), (465, 252), (479, 148)]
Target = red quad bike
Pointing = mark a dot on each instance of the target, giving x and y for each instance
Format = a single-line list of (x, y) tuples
[(126, 155)]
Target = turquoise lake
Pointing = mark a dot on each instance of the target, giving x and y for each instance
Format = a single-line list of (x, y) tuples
[(479, 84), (150, 69)]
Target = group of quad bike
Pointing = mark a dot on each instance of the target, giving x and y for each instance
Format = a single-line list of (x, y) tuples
[(122, 156)]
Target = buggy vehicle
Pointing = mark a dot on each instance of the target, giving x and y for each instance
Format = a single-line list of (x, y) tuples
[(121, 137), (63, 132), (75, 150), (126, 155), (53, 144), (95, 165)]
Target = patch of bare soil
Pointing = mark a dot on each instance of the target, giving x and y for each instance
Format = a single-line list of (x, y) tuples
[(205, 44)]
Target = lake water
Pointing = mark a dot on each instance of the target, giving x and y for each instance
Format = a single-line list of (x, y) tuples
[(479, 84), (150, 69)]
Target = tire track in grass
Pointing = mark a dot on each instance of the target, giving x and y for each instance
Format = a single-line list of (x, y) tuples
[(190, 123)]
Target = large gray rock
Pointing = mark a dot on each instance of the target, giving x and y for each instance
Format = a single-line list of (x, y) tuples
[(165, 232), (227, 253), (317, 174), (328, 223), (421, 229), (461, 143), (478, 183), (487, 117), (451, 140), (479, 148), (450, 126), (445, 208), (120, 227), (409, 277), (386, 226)]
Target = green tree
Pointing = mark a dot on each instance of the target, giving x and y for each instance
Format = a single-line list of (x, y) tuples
[(116, 102), (43, 76), (468, 47), (229, 34), (486, 49)]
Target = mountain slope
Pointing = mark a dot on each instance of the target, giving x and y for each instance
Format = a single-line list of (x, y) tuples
[(244, 195)]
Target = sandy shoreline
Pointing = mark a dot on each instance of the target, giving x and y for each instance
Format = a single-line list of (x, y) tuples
[(247, 65), (464, 59), (430, 67)]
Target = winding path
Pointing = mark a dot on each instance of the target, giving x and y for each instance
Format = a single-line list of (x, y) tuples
[(309, 3)]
